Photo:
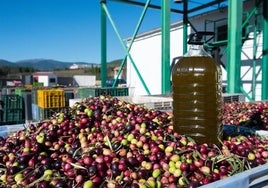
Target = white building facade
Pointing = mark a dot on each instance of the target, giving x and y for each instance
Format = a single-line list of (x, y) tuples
[(47, 78)]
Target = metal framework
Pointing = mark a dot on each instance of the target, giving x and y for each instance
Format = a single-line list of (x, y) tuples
[(233, 43)]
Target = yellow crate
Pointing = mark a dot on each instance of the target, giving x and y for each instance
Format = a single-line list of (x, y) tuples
[(51, 98)]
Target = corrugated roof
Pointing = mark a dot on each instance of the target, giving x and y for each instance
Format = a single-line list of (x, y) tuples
[(175, 25), (42, 73)]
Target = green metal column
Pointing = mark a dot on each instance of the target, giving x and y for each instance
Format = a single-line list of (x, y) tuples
[(133, 38), (234, 46), (254, 75), (105, 9), (103, 44), (185, 26), (264, 93), (165, 47)]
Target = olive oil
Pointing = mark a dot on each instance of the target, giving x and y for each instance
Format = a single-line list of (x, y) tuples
[(197, 96)]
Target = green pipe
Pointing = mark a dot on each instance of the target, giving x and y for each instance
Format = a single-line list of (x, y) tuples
[(234, 46), (204, 5), (264, 88), (185, 26), (222, 42), (165, 47), (125, 48), (150, 5), (254, 76), (246, 94), (132, 40), (246, 21), (103, 44)]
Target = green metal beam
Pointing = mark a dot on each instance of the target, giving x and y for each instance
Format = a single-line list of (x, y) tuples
[(103, 44), (246, 94), (205, 5), (125, 48), (254, 62), (165, 47), (234, 46), (264, 90), (150, 5), (132, 40)]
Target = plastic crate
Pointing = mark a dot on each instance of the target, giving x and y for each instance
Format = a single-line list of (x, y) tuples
[(34, 96), (106, 91), (68, 95), (73, 101), (95, 92), (46, 113), (12, 101), (12, 116), (86, 92), (163, 103), (21, 91), (121, 91), (51, 98), (1, 116), (233, 97), (5, 130), (35, 112), (255, 177), (38, 84)]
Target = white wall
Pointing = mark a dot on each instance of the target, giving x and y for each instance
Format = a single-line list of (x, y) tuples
[(84, 80), (247, 68), (146, 54), (45, 79)]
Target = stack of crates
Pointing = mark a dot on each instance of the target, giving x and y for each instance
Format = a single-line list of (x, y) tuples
[(12, 110), (23, 92), (49, 101)]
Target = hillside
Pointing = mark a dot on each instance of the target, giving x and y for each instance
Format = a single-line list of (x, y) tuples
[(13, 69), (49, 64), (44, 64), (114, 63), (69, 72), (41, 64), (4, 63)]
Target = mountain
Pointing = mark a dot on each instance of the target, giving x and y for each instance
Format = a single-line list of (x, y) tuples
[(114, 63), (44, 64), (41, 64), (7, 63)]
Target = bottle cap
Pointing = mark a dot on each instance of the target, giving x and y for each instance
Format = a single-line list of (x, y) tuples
[(196, 38)]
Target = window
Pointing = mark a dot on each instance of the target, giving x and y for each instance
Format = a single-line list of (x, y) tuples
[(222, 32), (52, 80)]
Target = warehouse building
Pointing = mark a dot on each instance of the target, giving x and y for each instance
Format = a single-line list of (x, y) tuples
[(146, 50)]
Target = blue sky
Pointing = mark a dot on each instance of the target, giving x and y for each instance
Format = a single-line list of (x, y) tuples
[(68, 30)]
